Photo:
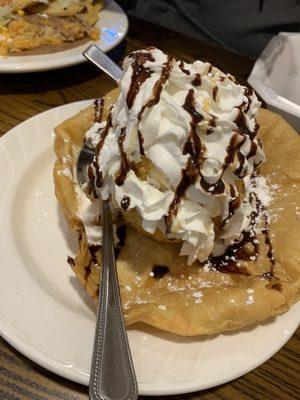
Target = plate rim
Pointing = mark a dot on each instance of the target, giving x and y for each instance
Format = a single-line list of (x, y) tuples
[(16, 340), (70, 61)]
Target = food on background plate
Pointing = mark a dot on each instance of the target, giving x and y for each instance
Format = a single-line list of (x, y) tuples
[(40, 26), (205, 202)]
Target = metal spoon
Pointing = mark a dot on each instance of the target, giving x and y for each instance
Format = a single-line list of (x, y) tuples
[(112, 375)]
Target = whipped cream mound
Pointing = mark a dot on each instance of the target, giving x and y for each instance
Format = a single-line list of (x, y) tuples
[(178, 148)]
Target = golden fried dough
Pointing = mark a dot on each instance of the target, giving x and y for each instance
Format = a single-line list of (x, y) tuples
[(157, 286)]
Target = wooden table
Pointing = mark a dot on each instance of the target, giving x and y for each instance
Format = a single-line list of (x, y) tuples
[(21, 97)]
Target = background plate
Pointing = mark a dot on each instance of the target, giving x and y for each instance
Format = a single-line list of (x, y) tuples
[(113, 25), (46, 315)]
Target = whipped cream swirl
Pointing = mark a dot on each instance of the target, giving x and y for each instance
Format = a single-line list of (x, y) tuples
[(177, 147)]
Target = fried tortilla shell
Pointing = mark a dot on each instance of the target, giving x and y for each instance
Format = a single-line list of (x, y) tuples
[(157, 286)]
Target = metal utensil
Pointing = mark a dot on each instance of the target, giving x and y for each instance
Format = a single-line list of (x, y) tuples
[(112, 375), (95, 55)]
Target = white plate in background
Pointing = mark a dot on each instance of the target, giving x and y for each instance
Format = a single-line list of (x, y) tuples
[(113, 25), (45, 314)]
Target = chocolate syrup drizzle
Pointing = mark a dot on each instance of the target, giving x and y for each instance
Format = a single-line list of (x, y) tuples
[(197, 80), (213, 188), (211, 126), (139, 75), (194, 148), (121, 234), (93, 261), (93, 251), (98, 109), (125, 165), (215, 92), (98, 181), (233, 205), (125, 203), (227, 263), (71, 261), (92, 187), (165, 73), (242, 126), (181, 66), (160, 271), (141, 143)]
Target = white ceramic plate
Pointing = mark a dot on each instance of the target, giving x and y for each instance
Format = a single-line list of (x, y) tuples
[(113, 25), (46, 315)]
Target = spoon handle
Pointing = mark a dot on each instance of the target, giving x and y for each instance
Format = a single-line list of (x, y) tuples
[(94, 54), (112, 372)]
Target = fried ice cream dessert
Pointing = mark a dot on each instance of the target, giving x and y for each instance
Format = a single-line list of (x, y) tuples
[(199, 179)]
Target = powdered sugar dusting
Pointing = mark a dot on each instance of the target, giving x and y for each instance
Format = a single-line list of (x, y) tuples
[(250, 300), (260, 187), (198, 297), (66, 172), (162, 307)]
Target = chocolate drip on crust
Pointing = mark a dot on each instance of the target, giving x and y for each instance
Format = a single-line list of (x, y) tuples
[(268, 242), (247, 248), (70, 261), (121, 234), (139, 75), (160, 271), (98, 109), (266, 232), (228, 262), (125, 165), (239, 250), (93, 261), (227, 266), (93, 251)]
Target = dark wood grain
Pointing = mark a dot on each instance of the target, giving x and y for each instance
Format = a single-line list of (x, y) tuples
[(23, 96)]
